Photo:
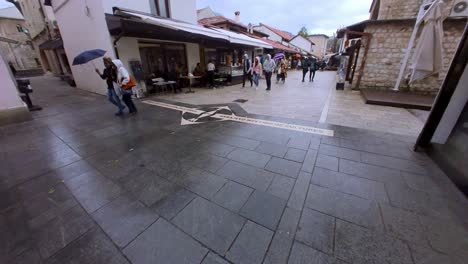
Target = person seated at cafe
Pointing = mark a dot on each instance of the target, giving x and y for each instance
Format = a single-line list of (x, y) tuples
[(199, 71)]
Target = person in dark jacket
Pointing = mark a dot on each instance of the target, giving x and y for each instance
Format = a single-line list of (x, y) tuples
[(247, 65), (110, 75), (312, 69), (305, 67)]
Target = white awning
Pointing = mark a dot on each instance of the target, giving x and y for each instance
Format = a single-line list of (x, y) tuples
[(177, 25), (230, 36), (244, 39)]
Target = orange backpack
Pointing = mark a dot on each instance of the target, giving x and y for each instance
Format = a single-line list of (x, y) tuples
[(130, 84)]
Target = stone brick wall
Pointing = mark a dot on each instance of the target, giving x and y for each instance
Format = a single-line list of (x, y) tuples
[(399, 9), (404, 9), (387, 49)]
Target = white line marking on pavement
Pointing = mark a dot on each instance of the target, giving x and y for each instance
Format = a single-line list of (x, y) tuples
[(247, 120)]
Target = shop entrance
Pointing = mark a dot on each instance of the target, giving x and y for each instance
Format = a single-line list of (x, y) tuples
[(163, 60)]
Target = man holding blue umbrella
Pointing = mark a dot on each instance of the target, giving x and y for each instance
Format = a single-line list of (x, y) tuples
[(110, 75)]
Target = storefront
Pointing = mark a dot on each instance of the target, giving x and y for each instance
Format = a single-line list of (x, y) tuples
[(152, 47), (228, 62)]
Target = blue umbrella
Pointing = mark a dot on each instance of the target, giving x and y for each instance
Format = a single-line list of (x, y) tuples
[(88, 56)]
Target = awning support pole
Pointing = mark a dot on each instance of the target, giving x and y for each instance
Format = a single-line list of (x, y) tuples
[(404, 63)]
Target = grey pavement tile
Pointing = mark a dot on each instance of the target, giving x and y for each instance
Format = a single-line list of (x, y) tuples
[(249, 157), (148, 187), (423, 183), (284, 237), (157, 244), (316, 230), (95, 192), (278, 251), (207, 162), (272, 149), (256, 178), (212, 258), (15, 234), (232, 196), (347, 207), (284, 167), (327, 162), (299, 192), (371, 172), (37, 185), (123, 219), (73, 170), (216, 148), (93, 247), (297, 155), (251, 244), (210, 224), (334, 141), (281, 187), (426, 255), (240, 142), (202, 182), (393, 163), (309, 161), (45, 206), (302, 254), (315, 143), (30, 256), (445, 236), (339, 152), (172, 204), (341, 182), (356, 244), (299, 142), (403, 224), (419, 202), (264, 208), (61, 231)]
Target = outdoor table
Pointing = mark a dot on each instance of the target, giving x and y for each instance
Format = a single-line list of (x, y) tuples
[(164, 83), (190, 78)]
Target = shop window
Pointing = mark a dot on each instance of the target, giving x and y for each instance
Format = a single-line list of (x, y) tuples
[(161, 60), (162, 8)]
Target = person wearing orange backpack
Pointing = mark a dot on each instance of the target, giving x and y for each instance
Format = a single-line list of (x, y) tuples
[(110, 75), (126, 84)]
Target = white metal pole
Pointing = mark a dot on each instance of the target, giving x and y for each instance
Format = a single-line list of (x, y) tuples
[(404, 63)]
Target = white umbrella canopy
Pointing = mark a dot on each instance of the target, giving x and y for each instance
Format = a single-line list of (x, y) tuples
[(428, 55)]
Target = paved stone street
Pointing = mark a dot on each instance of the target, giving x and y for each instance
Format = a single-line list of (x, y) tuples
[(311, 101), (79, 185)]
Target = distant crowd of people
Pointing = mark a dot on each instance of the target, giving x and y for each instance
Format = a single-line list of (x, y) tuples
[(120, 83)]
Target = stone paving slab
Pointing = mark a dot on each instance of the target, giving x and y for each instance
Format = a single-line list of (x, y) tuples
[(79, 185)]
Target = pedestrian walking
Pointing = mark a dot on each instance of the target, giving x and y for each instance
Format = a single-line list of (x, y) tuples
[(110, 75), (126, 84), (305, 67), (312, 69), (210, 70), (281, 74), (247, 65), (257, 71), (269, 66)]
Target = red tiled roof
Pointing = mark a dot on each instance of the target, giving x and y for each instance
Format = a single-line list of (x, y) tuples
[(218, 20), (278, 32), (277, 45)]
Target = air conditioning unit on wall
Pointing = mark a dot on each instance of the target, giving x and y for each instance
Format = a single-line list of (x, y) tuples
[(459, 9)]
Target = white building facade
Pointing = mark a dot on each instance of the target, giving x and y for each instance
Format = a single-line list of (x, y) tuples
[(303, 43), (138, 33)]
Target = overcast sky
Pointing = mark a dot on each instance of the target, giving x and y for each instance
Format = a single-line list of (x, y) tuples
[(4, 3), (319, 16)]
